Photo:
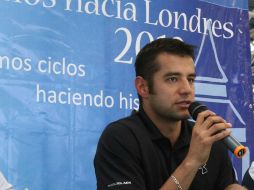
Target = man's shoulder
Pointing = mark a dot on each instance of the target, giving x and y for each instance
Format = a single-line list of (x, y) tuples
[(220, 146), (124, 124), (122, 128), (219, 152), (118, 137)]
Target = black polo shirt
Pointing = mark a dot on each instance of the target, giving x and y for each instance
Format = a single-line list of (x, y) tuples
[(132, 154), (248, 181)]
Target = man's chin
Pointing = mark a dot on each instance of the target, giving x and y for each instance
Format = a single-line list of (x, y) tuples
[(184, 116), (180, 117)]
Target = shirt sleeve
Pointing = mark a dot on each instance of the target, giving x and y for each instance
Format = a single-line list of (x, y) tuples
[(117, 160), (226, 175), (248, 179)]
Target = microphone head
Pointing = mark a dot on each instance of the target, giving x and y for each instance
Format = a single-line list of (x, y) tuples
[(195, 108)]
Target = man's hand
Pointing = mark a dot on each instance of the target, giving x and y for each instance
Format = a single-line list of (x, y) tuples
[(208, 129)]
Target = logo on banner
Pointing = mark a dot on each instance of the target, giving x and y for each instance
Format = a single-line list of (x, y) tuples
[(214, 87)]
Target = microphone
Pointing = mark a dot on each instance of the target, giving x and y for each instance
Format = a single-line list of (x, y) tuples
[(232, 144)]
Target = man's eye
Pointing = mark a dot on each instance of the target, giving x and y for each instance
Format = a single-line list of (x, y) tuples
[(172, 79), (192, 80)]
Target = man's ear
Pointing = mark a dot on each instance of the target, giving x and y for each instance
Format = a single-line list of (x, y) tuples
[(141, 87)]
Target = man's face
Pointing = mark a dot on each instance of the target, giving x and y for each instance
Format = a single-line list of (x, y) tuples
[(173, 87)]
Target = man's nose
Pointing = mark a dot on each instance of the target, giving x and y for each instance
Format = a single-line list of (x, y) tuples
[(186, 86)]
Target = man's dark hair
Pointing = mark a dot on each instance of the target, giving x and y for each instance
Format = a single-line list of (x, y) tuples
[(146, 66)]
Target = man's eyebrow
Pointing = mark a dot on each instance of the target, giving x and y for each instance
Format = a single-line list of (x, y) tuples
[(192, 75), (171, 73), (178, 74)]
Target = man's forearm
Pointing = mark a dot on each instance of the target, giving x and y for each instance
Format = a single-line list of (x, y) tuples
[(235, 187), (184, 174)]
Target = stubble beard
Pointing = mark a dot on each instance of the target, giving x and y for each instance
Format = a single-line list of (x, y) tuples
[(173, 116), (170, 114)]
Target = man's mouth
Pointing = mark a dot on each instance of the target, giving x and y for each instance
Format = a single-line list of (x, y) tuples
[(183, 104)]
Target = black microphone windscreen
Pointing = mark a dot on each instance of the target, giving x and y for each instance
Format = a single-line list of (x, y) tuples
[(232, 144), (195, 108)]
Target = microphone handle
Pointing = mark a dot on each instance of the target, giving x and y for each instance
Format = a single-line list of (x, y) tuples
[(234, 146)]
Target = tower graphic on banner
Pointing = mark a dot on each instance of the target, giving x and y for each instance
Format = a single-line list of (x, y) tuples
[(215, 88)]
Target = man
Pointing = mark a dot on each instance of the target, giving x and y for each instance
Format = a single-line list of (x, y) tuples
[(157, 147)]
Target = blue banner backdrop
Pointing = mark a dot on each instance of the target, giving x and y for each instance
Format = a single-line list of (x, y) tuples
[(66, 70)]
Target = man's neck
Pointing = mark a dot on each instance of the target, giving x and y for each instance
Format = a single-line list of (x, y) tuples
[(171, 130), (168, 128)]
